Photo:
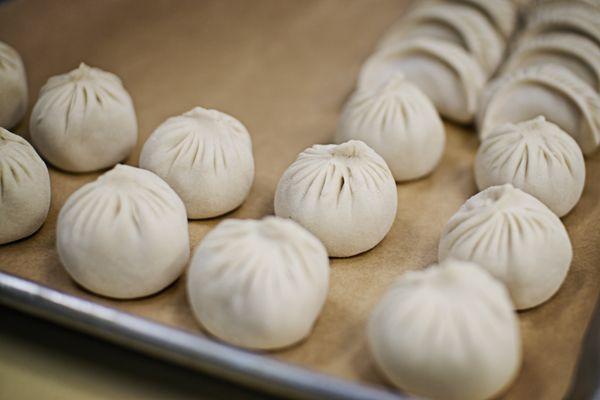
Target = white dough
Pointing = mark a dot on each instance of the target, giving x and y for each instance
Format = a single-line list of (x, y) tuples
[(552, 91), (575, 52), (400, 123), (13, 87), (537, 157), (444, 71), (502, 14), (84, 120), (124, 235), (24, 188), (516, 238), (206, 157), (569, 16), (456, 23), (258, 284), (447, 332), (344, 194)]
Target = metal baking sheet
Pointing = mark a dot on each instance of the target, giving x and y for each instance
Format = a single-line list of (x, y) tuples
[(179, 346), (284, 68)]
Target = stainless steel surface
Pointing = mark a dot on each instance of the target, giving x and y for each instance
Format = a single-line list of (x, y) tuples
[(256, 371)]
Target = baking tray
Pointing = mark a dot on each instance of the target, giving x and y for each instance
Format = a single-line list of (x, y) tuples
[(178, 346), (284, 68)]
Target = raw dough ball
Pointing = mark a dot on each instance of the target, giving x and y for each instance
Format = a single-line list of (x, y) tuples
[(24, 188), (13, 87), (258, 284), (206, 157), (400, 123), (550, 90), (447, 332), (84, 120), (575, 52), (516, 238), (444, 71), (125, 235), (537, 157), (452, 22), (344, 194)]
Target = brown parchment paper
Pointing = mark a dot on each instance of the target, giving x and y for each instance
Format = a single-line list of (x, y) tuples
[(284, 68)]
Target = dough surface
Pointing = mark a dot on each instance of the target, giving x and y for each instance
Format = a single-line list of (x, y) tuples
[(124, 235), (550, 90), (444, 71), (258, 284), (84, 120), (400, 123), (502, 14), (537, 157), (516, 238), (206, 157), (446, 332), (344, 194), (24, 188), (13, 87), (575, 52), (578, 17), (455, 23)]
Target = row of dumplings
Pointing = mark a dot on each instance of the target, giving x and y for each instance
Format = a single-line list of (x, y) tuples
[(85, 121), (262, 284), (541, 115), (448, 49), (535, 121)]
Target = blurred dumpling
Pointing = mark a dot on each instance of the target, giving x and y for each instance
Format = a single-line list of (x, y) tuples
[(502, 14), (568, 16), (548, 90), (124, 235), (445, 72), (400, 123), (455, 23), (516, 238), (446, 332), (13, 87), (577, 53), (537, 157), (24, 188), (258, 284), (84, 120), (344, 194), (206, 157)]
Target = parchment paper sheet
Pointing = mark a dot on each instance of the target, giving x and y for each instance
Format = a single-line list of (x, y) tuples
[(284, 68)]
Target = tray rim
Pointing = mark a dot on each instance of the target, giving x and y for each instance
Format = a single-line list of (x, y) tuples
[(178, 346)]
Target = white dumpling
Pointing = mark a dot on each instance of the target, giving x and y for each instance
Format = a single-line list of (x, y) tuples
[(537, 157), (13, 87), (516, 238), (502, 14), (84, 120), (400, 123), (206, 157), (344, 194), (455, 23), (575, 52), (124, 235), (549, 90), (569, 16), (24, 188), (446, 332), (258, 284), (593, 3), (445, 72)]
